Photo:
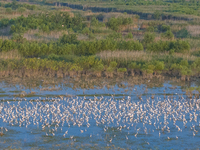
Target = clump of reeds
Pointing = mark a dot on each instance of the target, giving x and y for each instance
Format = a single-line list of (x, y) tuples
[(13, 54), (194, 30), (125, 55)]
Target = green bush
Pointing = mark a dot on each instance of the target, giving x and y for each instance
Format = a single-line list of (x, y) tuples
[(94, 22), (50, 22), (121, 70), (129, 36), (159, 66), (165, 28), (4, 22), (114, 23), (113, 64), (70, 39), (183, 33), (8, 10), (21, 9), (86, 31), (7, 45), (150, 29), (168, 34), (91, 36), (115, 35), (171, 52), (134, 65), (148, 38), (162, 46)]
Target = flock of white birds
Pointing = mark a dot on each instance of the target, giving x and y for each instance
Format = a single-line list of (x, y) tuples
[(135, 116)]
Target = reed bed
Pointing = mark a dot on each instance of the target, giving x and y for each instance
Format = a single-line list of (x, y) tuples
[(186, 56), (125, 55), (129, 56), (194, 43), (14, 54), (194, 30), (37, 35)]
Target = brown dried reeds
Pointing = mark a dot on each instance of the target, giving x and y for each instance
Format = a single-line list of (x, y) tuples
[(125, 55), (185, 56), (194, 30), (14, 54), (34, 35)]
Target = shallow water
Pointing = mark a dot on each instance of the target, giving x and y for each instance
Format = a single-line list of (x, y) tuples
[(64, 117)]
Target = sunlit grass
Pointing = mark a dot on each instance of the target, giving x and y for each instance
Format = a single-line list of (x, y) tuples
[(13, 54), (138, 56)]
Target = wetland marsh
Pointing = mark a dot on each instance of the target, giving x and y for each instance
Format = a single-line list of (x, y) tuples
[(92, 76), (99, 114)]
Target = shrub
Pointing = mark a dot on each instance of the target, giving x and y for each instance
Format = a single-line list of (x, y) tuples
[(99, 67), (114, 23), (4, 22), (113, 64), (134, 65), (171, 52), (121, 70), (148, 38), (184, 63), (165, 28), (94, 22), (86, 31), (129, 36), (177, 46), (53, 57), (183, 33), (115, 35), (157, 14), (159, 66), (150, 29), (8, 10), (91, 36), (21, 9), (7, 45), (70, 39), (168, 34)]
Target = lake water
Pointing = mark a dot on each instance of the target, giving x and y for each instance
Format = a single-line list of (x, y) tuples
[(106, 115)]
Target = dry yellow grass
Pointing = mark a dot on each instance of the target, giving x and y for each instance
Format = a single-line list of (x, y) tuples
[(125, 55), (194, 30), (14, 14), (3, 37), (14, 54), (82, 37), (185, 56), (139, 55), (53, 35)]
